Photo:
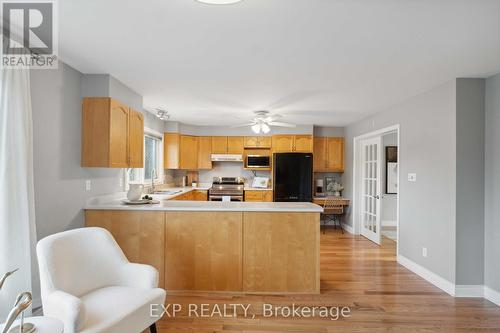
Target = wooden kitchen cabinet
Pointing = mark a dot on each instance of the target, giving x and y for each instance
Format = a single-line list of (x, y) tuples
[(205, 152), (335, 160), (219, 145), (259, 196), (180, 151), (292, 143), (171, 150), (200, 195), (235, 145), (188, 152), (257, 142), (203, 251), (140, 234), (328, 154), (110, 132), (290, 245), (282, 143), (136, 139)]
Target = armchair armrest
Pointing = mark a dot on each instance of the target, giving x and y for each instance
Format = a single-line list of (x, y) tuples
[(139, 276), (67, 308)]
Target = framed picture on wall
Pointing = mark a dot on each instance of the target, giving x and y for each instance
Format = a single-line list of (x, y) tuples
[(391, 170)]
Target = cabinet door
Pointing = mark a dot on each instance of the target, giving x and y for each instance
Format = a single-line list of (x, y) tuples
[(251, 142), (282, 143), (303, 143), (200, 195), (235, 145), (140, 235), (264, 141), (171, 143), (320, 154), (204, 152), (267, 196), (219, 145), (335, 160), (118, 136), (189, 152), (253, 196), (203, 251), (136, 139)]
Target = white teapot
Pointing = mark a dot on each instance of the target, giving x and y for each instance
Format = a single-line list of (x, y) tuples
[(135, 192)]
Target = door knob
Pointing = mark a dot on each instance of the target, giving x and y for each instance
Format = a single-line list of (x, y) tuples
[(377, 197)]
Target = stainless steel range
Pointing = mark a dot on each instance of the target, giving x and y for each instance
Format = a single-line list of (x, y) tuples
[(232, 187)]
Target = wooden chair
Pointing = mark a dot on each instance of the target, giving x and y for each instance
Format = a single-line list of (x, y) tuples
[(333, 209)]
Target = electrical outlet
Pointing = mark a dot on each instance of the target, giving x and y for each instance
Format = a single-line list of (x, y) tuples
[(121, 181), (412, 177), (424, 252), (88, 185)]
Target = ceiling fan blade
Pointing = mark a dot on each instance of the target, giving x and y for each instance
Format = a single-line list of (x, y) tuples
[(279, 124), (243, 125)]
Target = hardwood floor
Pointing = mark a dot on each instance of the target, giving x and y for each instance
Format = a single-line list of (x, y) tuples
[(382, 295)]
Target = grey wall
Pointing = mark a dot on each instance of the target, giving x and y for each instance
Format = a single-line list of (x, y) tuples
[(427, 207), (492, 184), (470, 124), (59, 179), (389, 201)]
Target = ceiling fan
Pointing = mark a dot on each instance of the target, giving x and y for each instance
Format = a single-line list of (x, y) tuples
[(263, 120)]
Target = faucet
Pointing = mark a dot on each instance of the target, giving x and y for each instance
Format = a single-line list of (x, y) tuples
[(153, 177)]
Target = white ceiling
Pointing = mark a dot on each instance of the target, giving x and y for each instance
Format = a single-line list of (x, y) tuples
[(322, 62)]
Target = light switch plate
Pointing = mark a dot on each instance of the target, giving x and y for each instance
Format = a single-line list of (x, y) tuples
[(412, 177), (424, 252), (88, 185)]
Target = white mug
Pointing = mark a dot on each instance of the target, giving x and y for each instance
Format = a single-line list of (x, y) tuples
[(135, 192)]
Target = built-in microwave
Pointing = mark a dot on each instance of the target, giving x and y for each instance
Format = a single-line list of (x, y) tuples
[(258, 161)]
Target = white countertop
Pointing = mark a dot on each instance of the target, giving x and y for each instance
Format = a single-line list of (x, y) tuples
[(114, 202), (249, 188)]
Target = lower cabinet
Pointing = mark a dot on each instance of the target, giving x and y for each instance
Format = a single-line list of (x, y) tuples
[(203, 251), (140, 234), (259, 196), (197, 195), (252, 252)]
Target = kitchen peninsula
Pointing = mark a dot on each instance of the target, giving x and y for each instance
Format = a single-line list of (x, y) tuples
[(251, 247)]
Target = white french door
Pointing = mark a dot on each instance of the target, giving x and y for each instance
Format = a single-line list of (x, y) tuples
[(370, 188)]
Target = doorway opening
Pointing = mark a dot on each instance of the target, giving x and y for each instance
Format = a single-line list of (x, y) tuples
[(376, 185)]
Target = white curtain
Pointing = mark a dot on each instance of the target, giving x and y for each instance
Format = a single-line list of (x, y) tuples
[(17, 212)]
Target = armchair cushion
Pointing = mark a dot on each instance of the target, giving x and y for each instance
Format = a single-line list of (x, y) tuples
[(120, 309)]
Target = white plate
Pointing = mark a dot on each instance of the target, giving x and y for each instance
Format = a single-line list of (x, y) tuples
[(140, 202)]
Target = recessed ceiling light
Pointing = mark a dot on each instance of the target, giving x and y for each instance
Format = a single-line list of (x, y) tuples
[(219, 2)]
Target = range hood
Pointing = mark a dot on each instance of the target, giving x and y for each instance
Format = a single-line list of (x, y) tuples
[(227, 158)]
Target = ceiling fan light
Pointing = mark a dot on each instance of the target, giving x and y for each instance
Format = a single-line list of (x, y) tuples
[(265, 128), (256, 128)]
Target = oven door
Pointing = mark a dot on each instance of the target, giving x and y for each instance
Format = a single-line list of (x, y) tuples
[(235, 198), (258, 161)]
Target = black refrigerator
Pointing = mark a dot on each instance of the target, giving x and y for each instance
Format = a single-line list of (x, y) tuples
[(293, 177)]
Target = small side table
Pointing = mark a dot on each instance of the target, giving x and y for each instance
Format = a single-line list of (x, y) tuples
[(43, 324)]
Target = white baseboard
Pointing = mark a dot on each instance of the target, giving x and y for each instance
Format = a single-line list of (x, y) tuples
[(469, 291), (423, 272), (348, 228), (492, 295), (389, 223)]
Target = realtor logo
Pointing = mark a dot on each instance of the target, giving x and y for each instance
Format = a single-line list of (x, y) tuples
[(29, 34)]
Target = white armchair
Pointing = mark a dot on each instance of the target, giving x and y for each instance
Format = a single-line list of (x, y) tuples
[(88, 283)]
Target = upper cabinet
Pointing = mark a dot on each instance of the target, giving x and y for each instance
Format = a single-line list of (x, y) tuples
[(180, 151), (328, 154), (219, 145), (292, 143), (110, 134), (227, 145), (205, 152), (257, 142)]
